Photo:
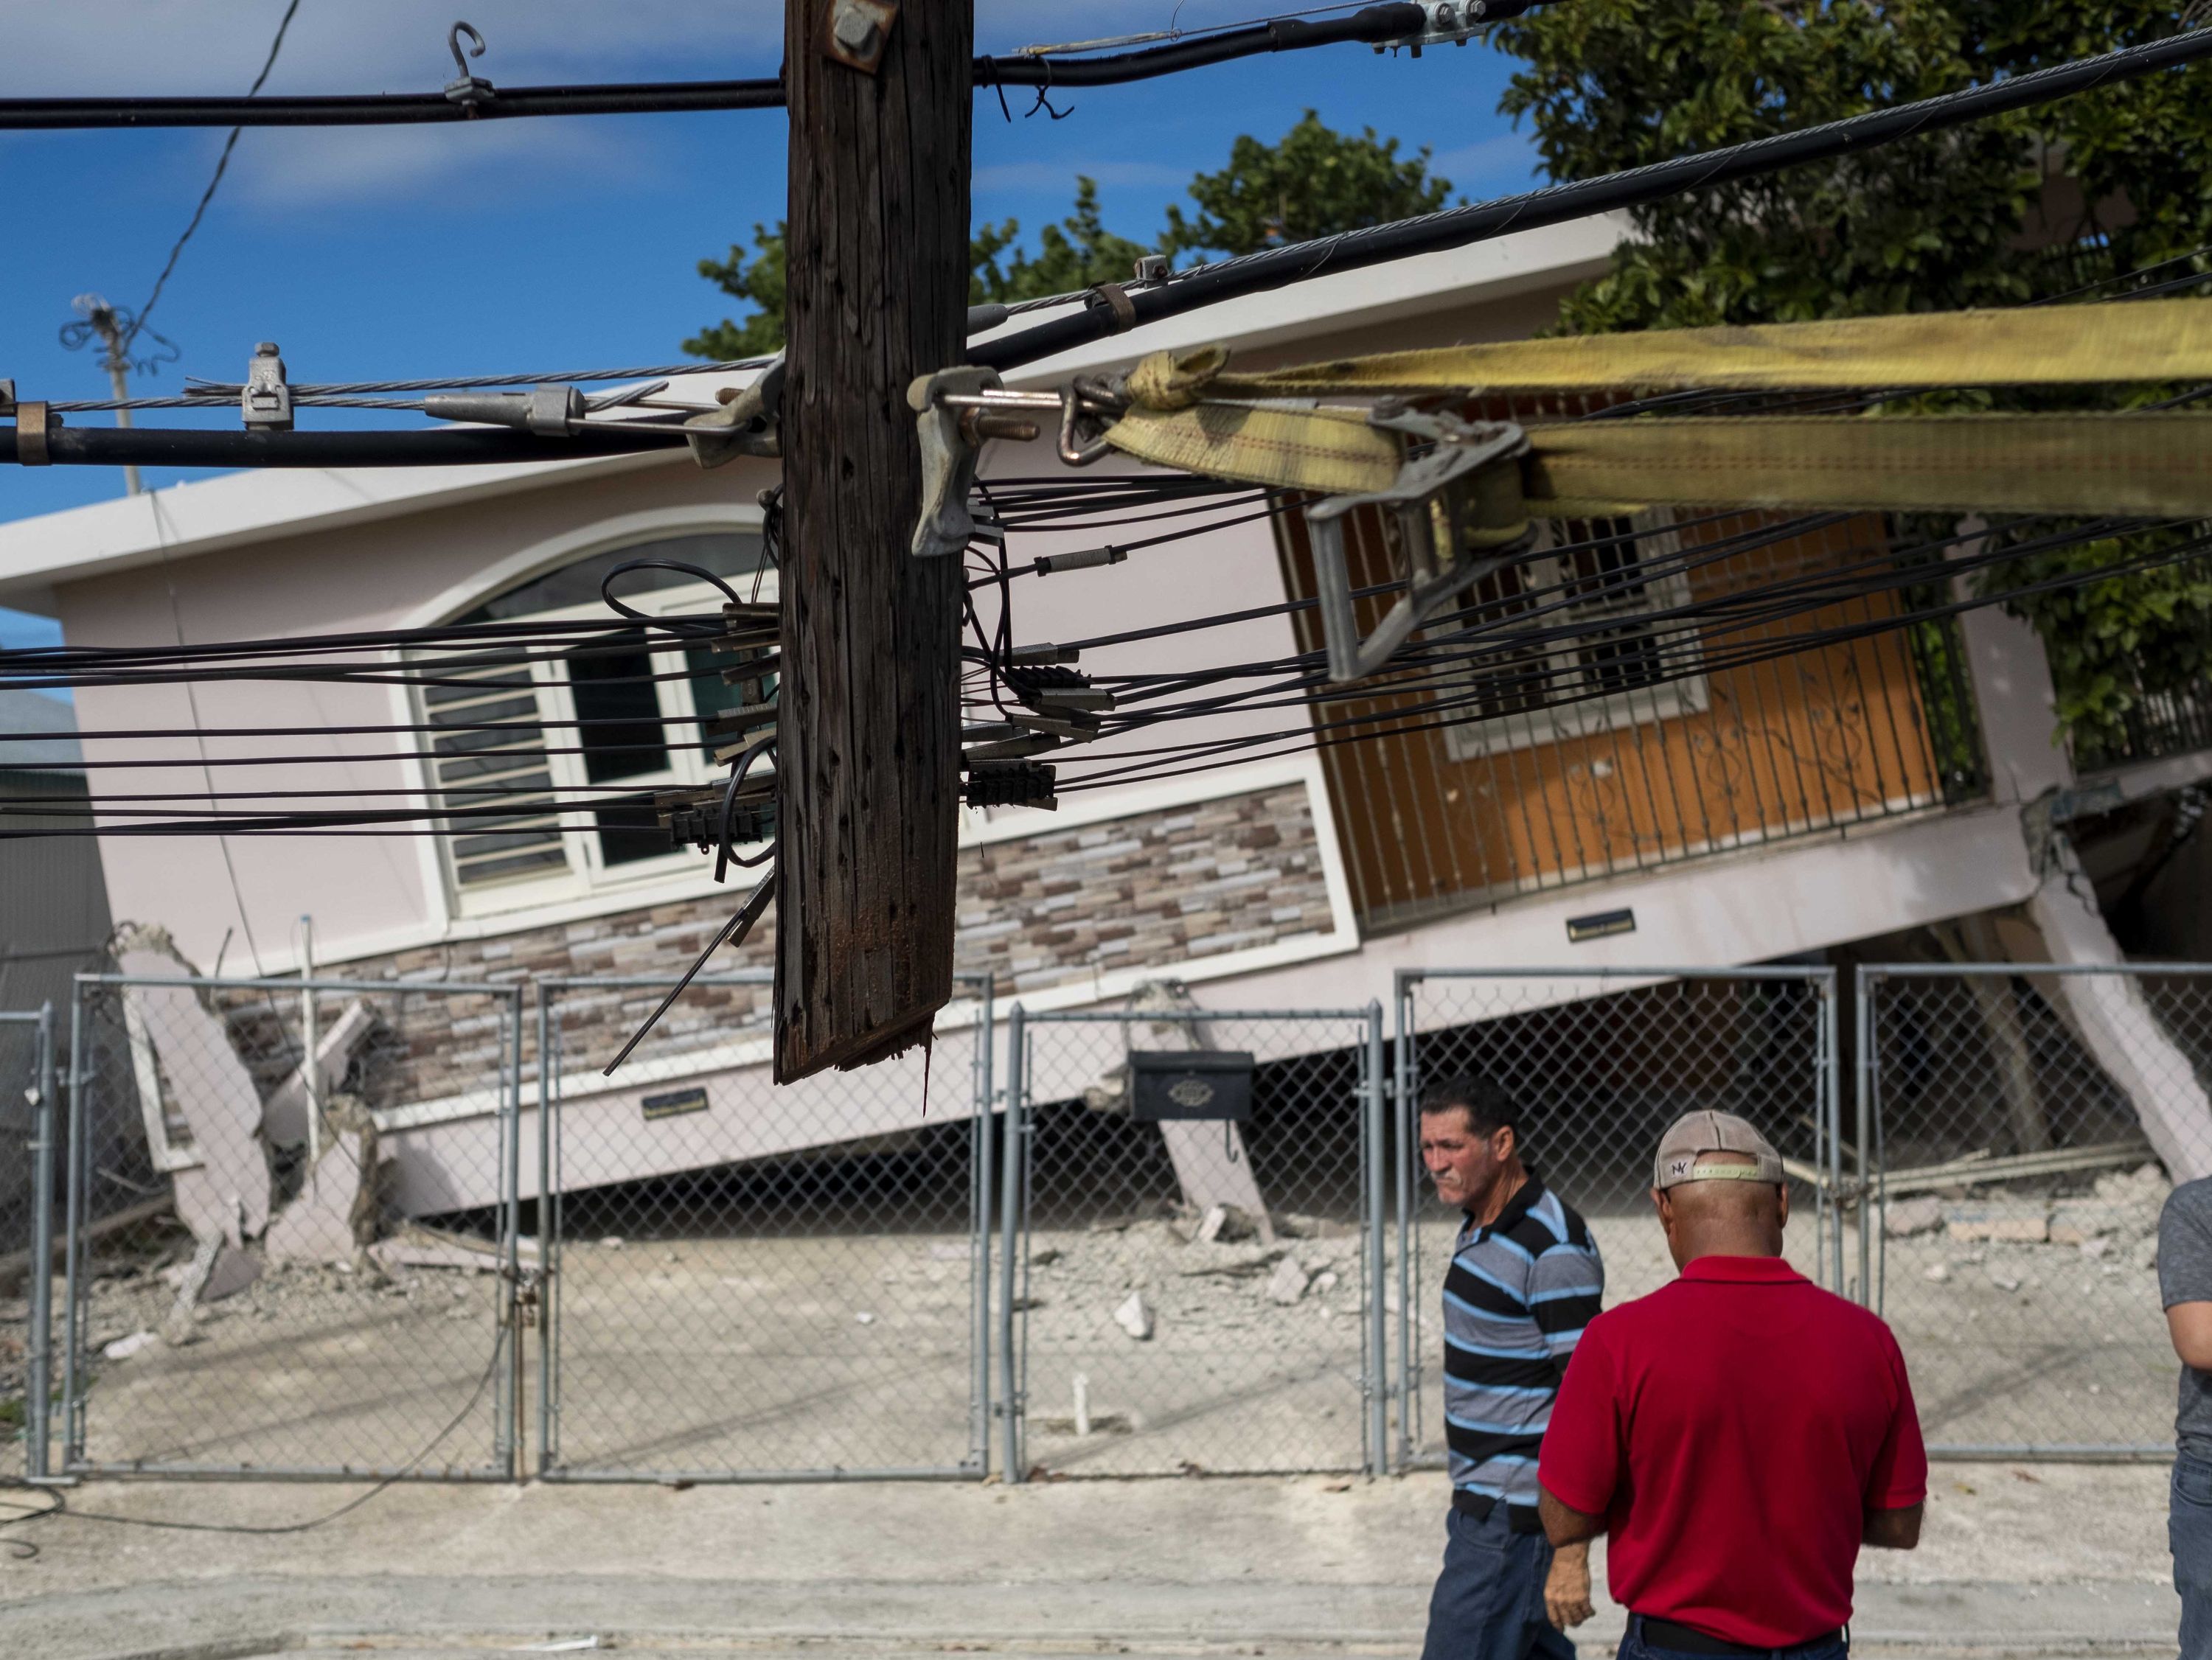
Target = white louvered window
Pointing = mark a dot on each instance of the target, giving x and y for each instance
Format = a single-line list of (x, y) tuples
[(1602, 585), (603, 729)]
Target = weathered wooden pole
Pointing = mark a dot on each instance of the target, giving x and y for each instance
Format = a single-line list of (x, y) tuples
[(868, 724)]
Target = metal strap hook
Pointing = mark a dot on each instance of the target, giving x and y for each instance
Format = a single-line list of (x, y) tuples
[(467, 90)]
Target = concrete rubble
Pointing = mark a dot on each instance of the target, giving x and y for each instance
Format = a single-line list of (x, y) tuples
[(2122, 1209)]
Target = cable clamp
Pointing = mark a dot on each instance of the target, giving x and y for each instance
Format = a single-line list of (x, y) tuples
[(954, 411), (749, 421), (33, 422), (1461, 517), (1115, 299), (266, 400)]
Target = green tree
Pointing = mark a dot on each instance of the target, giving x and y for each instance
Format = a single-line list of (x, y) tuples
[(759, 282), (1073, 254), (1933, 222), (758, 279), (1314, 181)]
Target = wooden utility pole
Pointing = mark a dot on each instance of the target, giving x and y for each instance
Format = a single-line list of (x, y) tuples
[(868, 739)]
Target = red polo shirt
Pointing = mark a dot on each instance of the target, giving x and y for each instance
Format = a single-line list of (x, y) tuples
[(1731, 1428)]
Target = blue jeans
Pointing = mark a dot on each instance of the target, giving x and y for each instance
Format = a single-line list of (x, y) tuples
[(1633, 1647), (2189, 1533), (1489, 1600)]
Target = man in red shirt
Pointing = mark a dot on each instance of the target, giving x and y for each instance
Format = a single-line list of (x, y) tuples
[(1739, 1434)]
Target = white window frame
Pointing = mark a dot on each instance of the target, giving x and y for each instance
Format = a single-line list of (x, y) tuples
[(588, 875), (1476, 737)]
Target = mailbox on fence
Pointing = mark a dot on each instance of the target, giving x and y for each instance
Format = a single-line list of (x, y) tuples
[(1190, 1083)]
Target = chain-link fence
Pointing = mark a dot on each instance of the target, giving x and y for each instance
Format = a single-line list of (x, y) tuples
[(285, 1269), (1599, 1064), (1189, 1293), (2021, 1117), (327, 1287), (27, 1201), (748, 1281)]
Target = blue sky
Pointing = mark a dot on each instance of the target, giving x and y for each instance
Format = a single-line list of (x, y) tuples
[(545, 246)]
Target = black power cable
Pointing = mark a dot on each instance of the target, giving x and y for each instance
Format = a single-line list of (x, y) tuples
[(1248, 274), (161, 447), (1455, 227), (1373, 26)]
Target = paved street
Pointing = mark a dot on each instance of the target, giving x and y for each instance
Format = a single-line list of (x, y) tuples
[(2049, 1561)]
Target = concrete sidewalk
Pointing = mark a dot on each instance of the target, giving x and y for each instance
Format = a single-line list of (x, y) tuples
[(2051, 1561)]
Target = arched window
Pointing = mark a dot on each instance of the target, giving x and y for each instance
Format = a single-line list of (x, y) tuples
[(612, 725)]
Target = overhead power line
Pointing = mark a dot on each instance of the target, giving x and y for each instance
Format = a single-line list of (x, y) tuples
[(207, 196), (1207, 285), (1456, 228), (1372, 25)]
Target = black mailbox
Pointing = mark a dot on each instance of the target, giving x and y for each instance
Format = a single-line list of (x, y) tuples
[(1190, 1083)]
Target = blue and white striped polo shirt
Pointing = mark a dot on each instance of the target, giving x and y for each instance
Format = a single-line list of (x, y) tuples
[(1516, 1298)]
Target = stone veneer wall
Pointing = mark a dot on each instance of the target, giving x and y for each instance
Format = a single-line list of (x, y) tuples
[(1153, 892)]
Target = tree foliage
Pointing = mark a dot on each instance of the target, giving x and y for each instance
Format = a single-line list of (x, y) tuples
[(1939, 222), (1073, 254), (1312, 181)]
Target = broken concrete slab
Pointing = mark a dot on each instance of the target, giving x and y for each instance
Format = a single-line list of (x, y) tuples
[(186, 1048), (1287, 1284), (1907, 1217), (284, 1115), (336, 1211), (2009, 1221)]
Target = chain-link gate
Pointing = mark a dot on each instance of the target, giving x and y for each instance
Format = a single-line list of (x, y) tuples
[(338, 1300), (27, 1223), (1199, 1294), (1601, 1063), (2020, 1115), (748, 1281)]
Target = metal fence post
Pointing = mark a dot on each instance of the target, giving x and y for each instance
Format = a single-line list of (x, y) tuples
[(73, 1244), (981, 1070), (1377, 1383), (1870, 1082), (510, 1419), (38, 1371), (1013, 1243), (546, 1357), (1405, 1085), (1828, 1221)]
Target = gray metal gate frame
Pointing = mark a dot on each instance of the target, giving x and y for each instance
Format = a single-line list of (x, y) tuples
[(1868, 981), (504, 1370), (37, 1357), (1014, 1217), (549, 1192), (1405, 1090)]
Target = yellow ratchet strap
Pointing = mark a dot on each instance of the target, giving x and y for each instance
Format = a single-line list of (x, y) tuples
[(2153, 463), (2060, 345)]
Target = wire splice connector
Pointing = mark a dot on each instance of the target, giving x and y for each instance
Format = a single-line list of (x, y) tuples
[(1011, 784)]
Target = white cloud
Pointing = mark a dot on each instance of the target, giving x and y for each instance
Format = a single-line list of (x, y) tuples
[(60, 48), (311, 167)]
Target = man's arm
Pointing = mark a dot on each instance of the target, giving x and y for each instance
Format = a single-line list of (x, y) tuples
[(1567, 1586), (1565, 1525), (1891, 1529), (2189, 1324)]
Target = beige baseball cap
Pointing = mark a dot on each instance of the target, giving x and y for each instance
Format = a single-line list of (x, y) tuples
[(1696, 1134)]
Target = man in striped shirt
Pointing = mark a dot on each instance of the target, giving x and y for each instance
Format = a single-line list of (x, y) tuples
[(1525, 1279)]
